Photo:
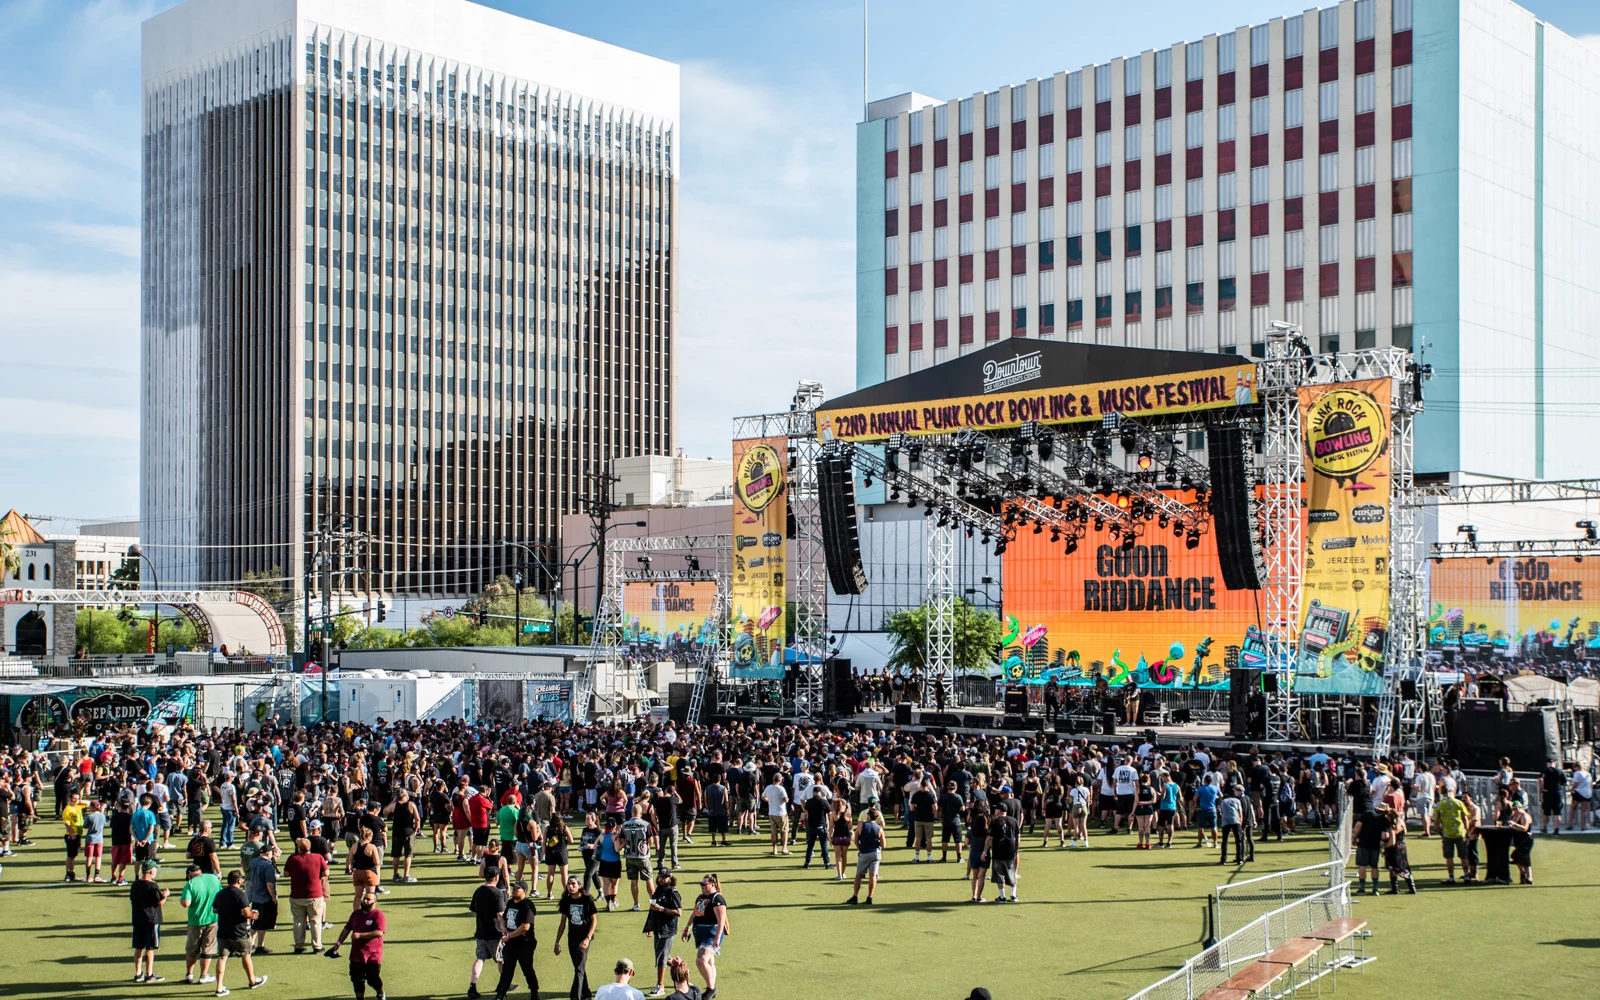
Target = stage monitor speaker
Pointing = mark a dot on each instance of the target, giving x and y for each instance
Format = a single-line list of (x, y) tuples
[(1244, 683), (1064, 724), (1014, 722), (841, 539), (1016, 701), (978, 721), (1108, 724), (902, 714), (1238, 541)]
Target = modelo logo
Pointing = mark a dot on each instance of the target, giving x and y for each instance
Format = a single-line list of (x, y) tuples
[(111, 708), (1346, 431), (1367, 513), (1347, 542), (1321, 516), (1022, 368)]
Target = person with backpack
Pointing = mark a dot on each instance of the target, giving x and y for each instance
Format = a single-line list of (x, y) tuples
[(869, 852), (1005, 840)]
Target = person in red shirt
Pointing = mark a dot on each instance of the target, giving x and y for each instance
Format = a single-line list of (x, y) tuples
[(307, 872), (365, 930), (480, 809)]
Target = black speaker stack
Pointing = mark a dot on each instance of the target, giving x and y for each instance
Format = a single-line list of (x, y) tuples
[(1238, 543), (841, 541), (1016, 702), (1244, 687)]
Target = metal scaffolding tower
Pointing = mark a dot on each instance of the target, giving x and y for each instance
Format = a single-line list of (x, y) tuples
[(807, 566), (939, 652), (1282, 373)]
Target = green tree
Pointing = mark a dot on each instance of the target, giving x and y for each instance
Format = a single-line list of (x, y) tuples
[(977, 637)]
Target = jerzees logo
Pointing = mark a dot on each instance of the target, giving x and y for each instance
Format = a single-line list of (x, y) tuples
[(999, 375)]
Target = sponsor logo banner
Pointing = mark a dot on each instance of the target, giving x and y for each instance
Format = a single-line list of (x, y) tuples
[(999, 375), (760, 522), (1525, 607), (1211, 389), (1345, 604)]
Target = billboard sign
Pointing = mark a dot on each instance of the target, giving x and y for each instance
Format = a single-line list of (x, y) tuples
[(760, 530)]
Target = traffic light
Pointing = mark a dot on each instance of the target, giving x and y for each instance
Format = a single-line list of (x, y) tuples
[(483, 617), (383, 610)]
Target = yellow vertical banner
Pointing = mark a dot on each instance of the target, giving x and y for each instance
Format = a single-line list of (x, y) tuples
[(1345, 603), (760, 548)]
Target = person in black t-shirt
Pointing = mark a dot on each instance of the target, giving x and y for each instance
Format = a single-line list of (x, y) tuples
[(665, 801), (577, 911), (488, 903), (203, 851), (121, 843), (951, 808), (924, 810), (666, 906), (1372, 833), (234, 914), (146, 898), (816, 808), (517, 942)]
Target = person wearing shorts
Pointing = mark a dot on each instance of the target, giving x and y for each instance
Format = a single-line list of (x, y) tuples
[(869, 853), (199, 897), (72, 818), (147, 899)]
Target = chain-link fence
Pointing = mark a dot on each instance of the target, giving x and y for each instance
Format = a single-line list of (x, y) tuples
[(1245, 944)]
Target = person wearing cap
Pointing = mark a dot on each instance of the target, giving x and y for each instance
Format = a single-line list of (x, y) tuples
[(621, 989), (146, 898), (199, 898)]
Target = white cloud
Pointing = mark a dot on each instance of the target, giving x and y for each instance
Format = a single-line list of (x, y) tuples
[(67, 317), (65, 419), (767, 250), (122, 240)]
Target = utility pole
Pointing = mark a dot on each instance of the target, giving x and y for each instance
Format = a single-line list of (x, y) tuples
[(599, 507), (336, 546)]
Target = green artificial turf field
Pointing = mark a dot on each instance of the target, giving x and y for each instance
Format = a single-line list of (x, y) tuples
[(1094, 924)]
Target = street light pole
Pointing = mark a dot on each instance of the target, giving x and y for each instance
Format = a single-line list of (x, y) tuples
[(136, 551)]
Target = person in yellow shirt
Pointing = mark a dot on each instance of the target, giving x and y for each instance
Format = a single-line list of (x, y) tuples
[(1451, 815), (72, 818)]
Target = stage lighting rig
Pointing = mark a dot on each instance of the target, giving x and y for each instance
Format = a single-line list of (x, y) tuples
[(1146, 460), (1072, 544), (1588, 527), (1471, 531)]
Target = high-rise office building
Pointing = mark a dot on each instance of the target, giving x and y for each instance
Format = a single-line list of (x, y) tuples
[(408, 268), (1380, 172)]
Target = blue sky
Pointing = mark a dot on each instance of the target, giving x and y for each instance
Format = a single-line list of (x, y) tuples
[(770, 96)]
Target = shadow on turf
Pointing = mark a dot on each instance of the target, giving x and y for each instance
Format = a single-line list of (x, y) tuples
[(1575, 942)]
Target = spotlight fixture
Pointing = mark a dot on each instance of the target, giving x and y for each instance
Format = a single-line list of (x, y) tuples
[(1162, 521), (1047, 445), (1038, 526), (1129, 441), (969, 529), (1128, 540), (1192, 541), (1146, 460), (1090, 481), (1588, 530), (1099, 524), (645, 562), (1000, 546), (1471, 531), (1055, 534), (1177, 531), (984, 537), (866, 481), (694, 563), (894, 492), (928, 510), (912, 501), (944, 518), (1116, 530), (1072, 544)]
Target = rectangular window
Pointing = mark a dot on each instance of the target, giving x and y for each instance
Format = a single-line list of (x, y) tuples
[(1194, 61), (1293, 36), (1366, 162), (941, 303), (991, 234), (966, 177), (964, 238), (1225, 191), (1047, 96), (1074, 218), (914, 308), (1402, 232), (991, 109), (1294, 174), (891, 310), (941, 120), (1260, 115), (1102, 82), (1019, 291), (1328, 28), (1132, 75), (1132, 144), (1195, 264), (991, 172), (965, 296), (916, 127), (1132, 208), (891, 133), (1019, 166), (1102, 213), (1366, 93), (1163, 202), (1401, 89), (1133, 274), (1260, 255), (1074, 155), (1294, 249), (1401, 14), (1260, 45), (1328, 172), (1227, 51), (1047, 288), (1019, 103), (1047, 223), (914, 188), (1019, 228), (1401, 167), (1366, 238), (1163, 68), (1163, 136), (1194, 196), (916, 247), (1227, 258), (1328, 237), (1225, 123), (1075, 89), (1328, 99), (966, 116), (1164, 269), (991, 295), (941, 183), (1365, 17), (1194, 129), (1294, 109), (1260, 185), (941, 243), (1102, 278), (1047, 161), (891, 251), (1074, 283), (1102, 149)]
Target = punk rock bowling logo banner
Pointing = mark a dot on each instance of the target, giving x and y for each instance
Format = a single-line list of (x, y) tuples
[(1345, 603), (1156, 613), (672, 616), (760, 524), (1525, 607)]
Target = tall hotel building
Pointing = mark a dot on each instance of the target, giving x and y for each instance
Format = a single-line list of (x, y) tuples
[(408, 264), (1381, 172)]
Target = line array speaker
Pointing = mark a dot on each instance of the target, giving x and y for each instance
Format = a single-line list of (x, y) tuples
[(841, 541), (1238, 542)]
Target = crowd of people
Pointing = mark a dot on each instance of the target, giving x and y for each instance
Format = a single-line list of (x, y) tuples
[(545, 811)]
